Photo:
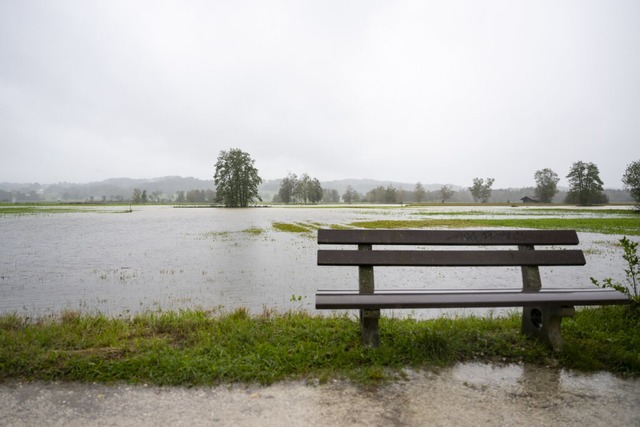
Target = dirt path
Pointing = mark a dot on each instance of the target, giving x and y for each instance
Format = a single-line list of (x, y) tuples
[(466, 395)]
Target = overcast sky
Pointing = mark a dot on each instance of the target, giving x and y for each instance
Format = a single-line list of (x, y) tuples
[(411, 91)]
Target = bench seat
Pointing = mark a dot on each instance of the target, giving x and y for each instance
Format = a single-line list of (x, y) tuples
[(465, 298)]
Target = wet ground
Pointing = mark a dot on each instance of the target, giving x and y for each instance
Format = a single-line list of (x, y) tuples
[(465, 395)]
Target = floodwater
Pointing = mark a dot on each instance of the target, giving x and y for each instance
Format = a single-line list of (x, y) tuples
[(163, 258)]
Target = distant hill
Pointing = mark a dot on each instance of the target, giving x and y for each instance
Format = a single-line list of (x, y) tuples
[(121, 189), (113, 189)]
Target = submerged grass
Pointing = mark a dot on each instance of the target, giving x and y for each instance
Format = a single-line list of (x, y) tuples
[(629, 226), (295, 227), (255, 231), (201, 348)]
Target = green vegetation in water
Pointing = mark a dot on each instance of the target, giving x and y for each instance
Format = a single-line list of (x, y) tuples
[(626, 225), (459, 213), (298, 227), (255, 231), (215, 235), (201, 348), (227, 235)]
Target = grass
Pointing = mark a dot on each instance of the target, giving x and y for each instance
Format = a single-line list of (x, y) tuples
[(36, 210), (629, 226), (295, 227), (47, 209), (255, 231), (201, 348), (532, 211)]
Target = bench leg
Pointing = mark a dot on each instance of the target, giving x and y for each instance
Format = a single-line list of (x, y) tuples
[(369, 327), (543, 323)]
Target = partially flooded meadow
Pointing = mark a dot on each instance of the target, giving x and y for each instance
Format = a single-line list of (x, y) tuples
[(98, 260)]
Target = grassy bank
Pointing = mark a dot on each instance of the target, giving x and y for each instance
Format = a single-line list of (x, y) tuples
[(58, 209), (198, 348)]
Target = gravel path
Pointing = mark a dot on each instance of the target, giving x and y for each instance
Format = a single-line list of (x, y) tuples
[(465, 395)]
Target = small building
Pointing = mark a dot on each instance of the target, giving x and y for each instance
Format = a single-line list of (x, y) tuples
[(527, 199)]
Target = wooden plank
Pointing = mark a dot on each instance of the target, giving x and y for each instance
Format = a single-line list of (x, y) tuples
[(482, 258), (465, 291), (466, 299), (448, 237)]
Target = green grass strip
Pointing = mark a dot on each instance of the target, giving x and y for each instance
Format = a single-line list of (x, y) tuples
[(199, 348), (532, 212), (48, 210), (627, 226), (32, 210)]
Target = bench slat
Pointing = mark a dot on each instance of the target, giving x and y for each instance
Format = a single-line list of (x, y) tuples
[(395, 299), (482, 258), (448, 237)]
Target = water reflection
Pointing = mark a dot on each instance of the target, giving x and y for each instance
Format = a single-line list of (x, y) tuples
[(543, 384), (479, 394)]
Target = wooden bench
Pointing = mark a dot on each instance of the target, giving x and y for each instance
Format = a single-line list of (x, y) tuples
[(543, 309)]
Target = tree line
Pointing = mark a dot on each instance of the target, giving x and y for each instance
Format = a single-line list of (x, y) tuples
[(585, 186), (393, 195), (237, 180), (299, 190), (139, 196)]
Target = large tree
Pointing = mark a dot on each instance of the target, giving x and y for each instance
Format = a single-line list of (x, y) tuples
[(585, 185), (308, 190), (481, 190), (445, 193), (382, 194), (350, 195), (330, 195), (315, 191), (236, 179), (304, 189), (287, 188), (546, 185), (139, 196), (631, 181)]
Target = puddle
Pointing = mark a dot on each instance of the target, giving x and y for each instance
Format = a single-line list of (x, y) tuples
[(470, 394)]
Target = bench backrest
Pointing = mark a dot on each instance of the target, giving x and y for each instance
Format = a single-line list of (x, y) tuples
[(525, 240)]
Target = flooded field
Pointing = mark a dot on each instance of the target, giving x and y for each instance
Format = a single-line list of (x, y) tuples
[(163, 258)]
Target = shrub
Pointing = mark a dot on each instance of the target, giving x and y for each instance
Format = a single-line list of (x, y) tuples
[(632, 272)]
